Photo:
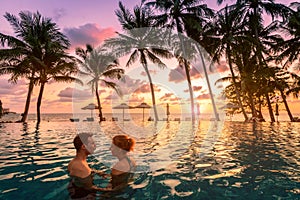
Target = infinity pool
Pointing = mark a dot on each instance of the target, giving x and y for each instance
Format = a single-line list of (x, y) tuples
[(177, 160)]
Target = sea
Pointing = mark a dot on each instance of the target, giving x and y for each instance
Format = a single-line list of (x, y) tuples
[(176, 158)]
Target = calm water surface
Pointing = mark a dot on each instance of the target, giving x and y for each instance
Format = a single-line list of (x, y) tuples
[(177, 160)]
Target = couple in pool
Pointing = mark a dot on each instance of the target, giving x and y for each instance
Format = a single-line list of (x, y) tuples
[(81, 185)]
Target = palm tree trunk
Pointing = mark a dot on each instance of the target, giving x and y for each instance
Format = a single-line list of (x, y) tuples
[(30, 89), (180, 34), (152, 92), (287, 106), (236, 90), (39, 102), (260, 115), (253, 109), (270, 107), (99, 103), (188, 77), (209, 88)]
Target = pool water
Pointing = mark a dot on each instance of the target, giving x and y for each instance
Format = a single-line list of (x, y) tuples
[(177, 160)]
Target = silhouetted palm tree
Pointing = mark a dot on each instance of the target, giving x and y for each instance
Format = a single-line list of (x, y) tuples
[(291, 46), (100, 66), (36, 51), (182, 15), (141, 41), (224, 34)]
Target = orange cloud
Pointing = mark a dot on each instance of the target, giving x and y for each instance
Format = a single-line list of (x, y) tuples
[(150, 71), (222, 66), (169, 97), (203, 96), (197, 88)]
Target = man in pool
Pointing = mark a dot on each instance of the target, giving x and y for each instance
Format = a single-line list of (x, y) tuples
[(81, 185)]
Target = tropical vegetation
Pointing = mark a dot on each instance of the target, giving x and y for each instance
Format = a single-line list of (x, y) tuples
[(100, 67), (37, 53)]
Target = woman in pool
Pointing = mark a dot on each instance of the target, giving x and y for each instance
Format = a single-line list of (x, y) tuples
[(122, 171), (81, 185)]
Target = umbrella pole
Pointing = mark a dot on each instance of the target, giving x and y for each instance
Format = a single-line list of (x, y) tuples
[(123, 114), (143, 114)]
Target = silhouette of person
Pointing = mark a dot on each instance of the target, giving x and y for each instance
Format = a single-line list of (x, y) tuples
[(81, 185), (122, 171)]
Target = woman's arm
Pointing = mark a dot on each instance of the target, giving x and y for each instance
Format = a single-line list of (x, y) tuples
[(101, 173)]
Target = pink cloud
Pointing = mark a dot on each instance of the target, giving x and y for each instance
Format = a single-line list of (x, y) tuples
[(12, 89), (177, 75), (69, 94), (135, 98), (222, 66), (90, 33), (129, 85), (110, 97), (145, 88), (196, 72)]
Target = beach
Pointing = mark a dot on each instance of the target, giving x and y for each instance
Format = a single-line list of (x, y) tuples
[(176, 160)]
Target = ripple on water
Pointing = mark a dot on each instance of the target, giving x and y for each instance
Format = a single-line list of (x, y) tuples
[(257, 161)]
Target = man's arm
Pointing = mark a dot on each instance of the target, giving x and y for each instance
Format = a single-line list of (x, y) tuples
[(101, 173)]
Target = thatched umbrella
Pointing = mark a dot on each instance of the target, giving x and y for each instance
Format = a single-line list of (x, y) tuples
[(123, 106), (91, 107), (143, 106)]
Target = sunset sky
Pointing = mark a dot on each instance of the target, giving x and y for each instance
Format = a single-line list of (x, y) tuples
[(91, 22)]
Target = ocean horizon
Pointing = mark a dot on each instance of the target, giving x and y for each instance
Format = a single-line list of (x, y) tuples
[(136, 116)]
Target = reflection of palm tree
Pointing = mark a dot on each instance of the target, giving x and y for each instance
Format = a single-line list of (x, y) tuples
[(36, 53), (140, 42), (99, 66)]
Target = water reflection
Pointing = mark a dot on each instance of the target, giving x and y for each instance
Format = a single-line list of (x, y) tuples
[(178, 160)]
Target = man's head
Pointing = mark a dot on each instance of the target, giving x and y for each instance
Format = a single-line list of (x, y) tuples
[(84, 141)]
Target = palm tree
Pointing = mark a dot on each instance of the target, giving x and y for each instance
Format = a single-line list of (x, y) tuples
[(141, 44), (16, 57), (282, 82), (252, 12), (295, 86), (224, 34), (36, 53), (182, 15), (141, 17), (18, 69), (99, 66), (55, 65), (21, 51), (140, 41), (291, 47)]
